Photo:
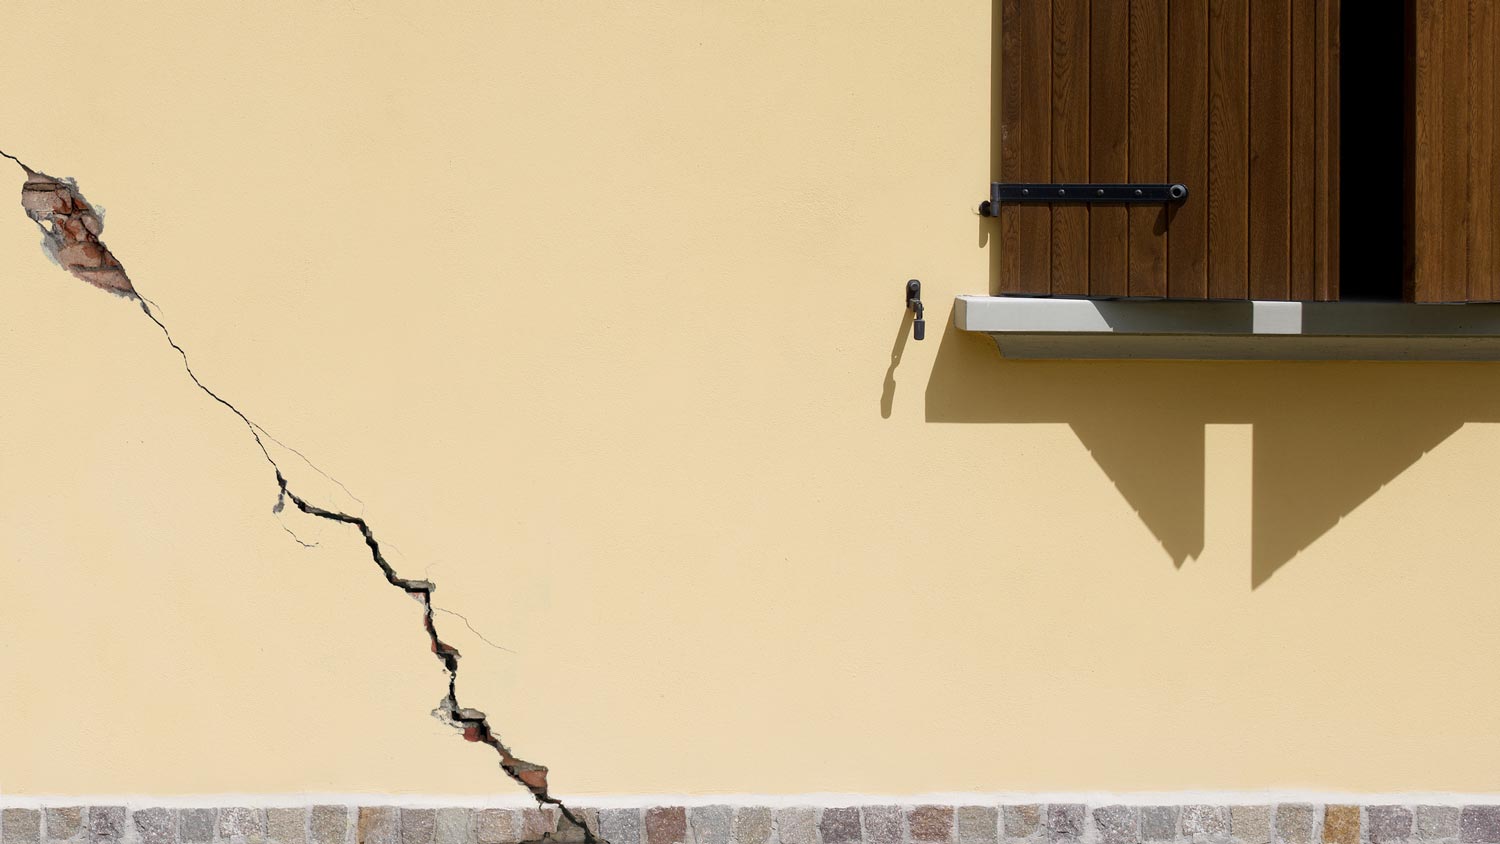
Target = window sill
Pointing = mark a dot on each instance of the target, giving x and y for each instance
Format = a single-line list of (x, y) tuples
[(1052, 328)]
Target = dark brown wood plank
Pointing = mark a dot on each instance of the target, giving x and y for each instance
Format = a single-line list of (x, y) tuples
[(1187, 147), (1455, 153), (1481, 210), (1070, 143), (1109, 127), (1322, 118), (1302, 278), (1270, 148), (1148, 144), (1025, 133), (1333, 156), (1228, 149)]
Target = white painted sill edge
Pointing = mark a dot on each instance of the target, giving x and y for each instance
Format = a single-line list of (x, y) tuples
[(1051, 328)]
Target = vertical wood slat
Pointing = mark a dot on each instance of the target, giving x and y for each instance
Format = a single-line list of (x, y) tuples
[(1331, 156), (1426, 216), (1148, 144), (1025, 133), (1010, 153), (1070, 149), (1302, 276), (1454, 155), (1270, 141), (1480, 211), (1187, 146), (1228, 149), (1325, 146), (1109, 67)]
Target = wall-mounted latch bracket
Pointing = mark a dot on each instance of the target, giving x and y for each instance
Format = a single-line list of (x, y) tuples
[(1014, 192), (914, 304)]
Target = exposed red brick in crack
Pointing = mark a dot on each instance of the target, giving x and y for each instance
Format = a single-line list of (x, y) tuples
[(71, 229)]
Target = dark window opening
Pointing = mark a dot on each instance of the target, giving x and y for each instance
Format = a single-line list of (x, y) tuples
[(1373, 165)]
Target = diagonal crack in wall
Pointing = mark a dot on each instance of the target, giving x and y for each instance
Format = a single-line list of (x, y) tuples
[(70, 229)]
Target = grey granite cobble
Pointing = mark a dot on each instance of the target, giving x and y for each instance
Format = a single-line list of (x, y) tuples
[(1159, 823), (1021, 821), (62, 823), (1117, 824), (797, 825), (1387, 824), (20, 826), (287, 825), (155, 826), (978, 824), (106, 824), (882, 824), (1250, 824), (328, 824), (1065, 821), (712, 824), (1437, 823), (1204, 824), (1479, 825), (196, 826), (621, 826), (1296, 823)]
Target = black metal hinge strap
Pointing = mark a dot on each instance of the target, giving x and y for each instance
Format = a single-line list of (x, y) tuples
[(1014, 192)]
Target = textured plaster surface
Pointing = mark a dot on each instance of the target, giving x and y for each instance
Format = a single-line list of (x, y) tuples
[(594, 309)]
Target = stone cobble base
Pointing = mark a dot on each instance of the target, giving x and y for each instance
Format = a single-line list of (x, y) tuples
[(1058, 823)]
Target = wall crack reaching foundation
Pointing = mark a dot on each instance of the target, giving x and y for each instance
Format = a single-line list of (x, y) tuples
[(71, 228)]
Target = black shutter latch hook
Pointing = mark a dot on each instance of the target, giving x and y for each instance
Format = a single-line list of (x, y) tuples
[(914, 303)]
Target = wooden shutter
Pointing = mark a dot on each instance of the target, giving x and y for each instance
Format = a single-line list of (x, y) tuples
[(1240, 107), (1452, 211)]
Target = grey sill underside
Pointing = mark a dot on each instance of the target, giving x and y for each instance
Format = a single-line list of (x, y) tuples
[(1193, 330)]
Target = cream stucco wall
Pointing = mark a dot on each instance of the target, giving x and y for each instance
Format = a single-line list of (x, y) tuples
[(597, 307)]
